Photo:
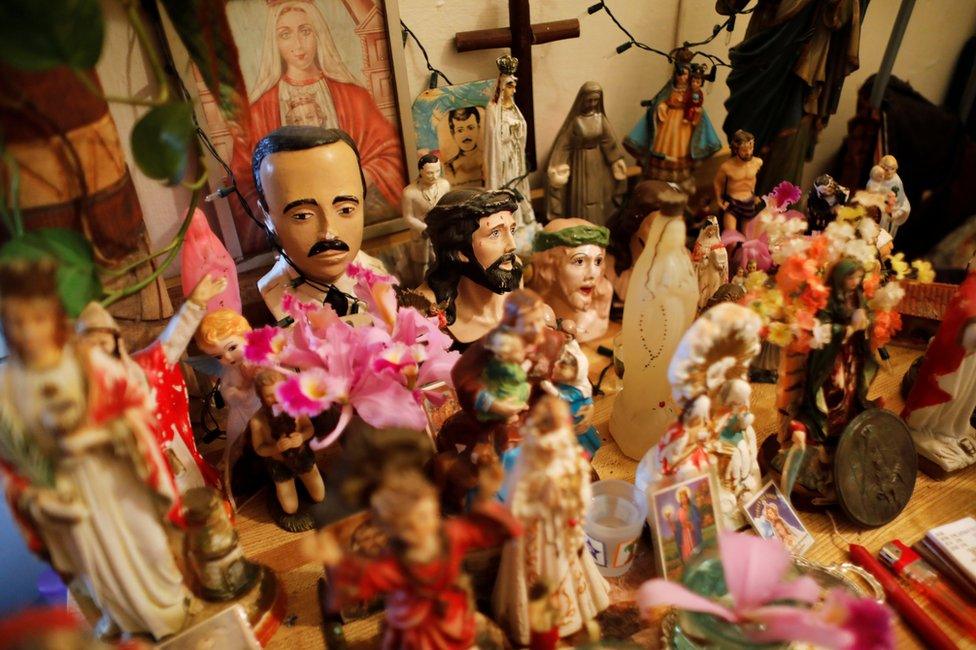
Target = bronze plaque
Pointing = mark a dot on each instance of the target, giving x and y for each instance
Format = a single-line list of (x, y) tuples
[(875, 465)]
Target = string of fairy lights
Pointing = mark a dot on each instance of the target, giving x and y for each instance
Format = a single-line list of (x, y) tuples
[(715, 61)]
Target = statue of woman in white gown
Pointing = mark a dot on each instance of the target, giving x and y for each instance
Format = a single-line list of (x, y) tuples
[(549, 493)]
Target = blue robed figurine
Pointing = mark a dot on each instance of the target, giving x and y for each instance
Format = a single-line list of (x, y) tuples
[(675, 132)]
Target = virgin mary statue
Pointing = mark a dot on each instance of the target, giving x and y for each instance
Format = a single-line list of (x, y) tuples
[(302, 80), (505, 135)]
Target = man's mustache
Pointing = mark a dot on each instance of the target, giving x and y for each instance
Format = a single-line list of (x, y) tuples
[(510, 258), (326, 245)]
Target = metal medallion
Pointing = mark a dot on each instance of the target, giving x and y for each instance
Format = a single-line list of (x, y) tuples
[(875, 465)]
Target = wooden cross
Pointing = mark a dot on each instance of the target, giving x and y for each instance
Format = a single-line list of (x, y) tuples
[(520, 36)]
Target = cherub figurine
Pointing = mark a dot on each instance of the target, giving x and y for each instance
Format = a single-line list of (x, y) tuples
[(571, 382), (283, 442), (711, 261), (428, 606), (549, 494), (887, 180), (696, 97)]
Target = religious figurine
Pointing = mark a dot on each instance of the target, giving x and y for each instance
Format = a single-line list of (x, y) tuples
[(486, 424), (156, 369), (418, 198), (283, 442), (311, 190), (629, 228), (204, 254), (424, 192), (787, 76), (888, 180), (570, 379), (568, 273), (822, 202), (428, 606), (505, 135), (665, 142), (942, 400), (472, 233), (711, 261), (735, 183), (709, 381), (504, 377), (660, 306), (83, 470), (221, 335), (587, 172), (549, 494)]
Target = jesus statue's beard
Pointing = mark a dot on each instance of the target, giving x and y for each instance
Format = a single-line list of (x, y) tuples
[(496, 279)]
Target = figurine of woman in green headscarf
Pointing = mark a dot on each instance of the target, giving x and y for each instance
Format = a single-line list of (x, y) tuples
[(839, 374)]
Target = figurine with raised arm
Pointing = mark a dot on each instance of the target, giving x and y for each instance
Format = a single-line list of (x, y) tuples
[(661, 304), (505, 135), (283, 442), (428, 605), (311, 190), (156, 367), (472, 233), (826, 196), (587, 173), (711, 261), (84, 472), (568, 273), (888, 180), (549, 494), (735, 183), (940, 405)]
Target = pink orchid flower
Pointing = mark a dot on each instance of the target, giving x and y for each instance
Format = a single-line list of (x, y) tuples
[(262, 345), (783, 196), (758, 595), (377, 291)]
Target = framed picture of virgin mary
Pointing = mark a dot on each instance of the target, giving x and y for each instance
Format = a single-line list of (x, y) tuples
[(311, 62)]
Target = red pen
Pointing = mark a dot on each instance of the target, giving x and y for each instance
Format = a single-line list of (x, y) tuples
[(927, 629), (905, 562)]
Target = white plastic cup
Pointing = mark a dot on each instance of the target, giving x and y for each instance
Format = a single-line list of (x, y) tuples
[(613, 525)]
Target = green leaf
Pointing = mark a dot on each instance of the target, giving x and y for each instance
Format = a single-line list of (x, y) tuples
[(44, 34), (78, 282), (162, 141)]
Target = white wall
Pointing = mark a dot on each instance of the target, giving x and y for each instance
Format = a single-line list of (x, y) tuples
[(937, 30)]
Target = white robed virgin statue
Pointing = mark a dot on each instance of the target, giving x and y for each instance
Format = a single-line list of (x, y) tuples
[(505, 135), (549, 493)]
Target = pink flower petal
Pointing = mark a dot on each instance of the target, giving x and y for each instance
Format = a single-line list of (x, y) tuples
[(754, 568), (870, 622), (261, 345), (438, 367), (657, 592), (784, 623), (383, 402), (732, 237), (304, 394), (804, 590)]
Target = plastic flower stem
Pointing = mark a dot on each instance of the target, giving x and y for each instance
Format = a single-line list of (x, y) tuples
[(114, 99), (174, 249), (135, 19)]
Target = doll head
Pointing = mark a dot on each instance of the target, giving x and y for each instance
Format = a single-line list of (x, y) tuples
[(265, 384), (889, 166), (877, 173), (407, 508), (506, 345), (566, 369), (735, 394), (568, 265), (97, 328), (31, 312), (221, 335)]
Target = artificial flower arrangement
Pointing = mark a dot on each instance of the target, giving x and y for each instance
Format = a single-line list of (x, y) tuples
[(775, 224), (769, 607), (379, 372), (788, 301)]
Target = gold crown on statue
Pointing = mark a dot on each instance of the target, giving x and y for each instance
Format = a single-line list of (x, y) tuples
[(507, 64)]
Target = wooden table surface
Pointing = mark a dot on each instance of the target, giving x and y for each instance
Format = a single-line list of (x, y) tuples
[(933, 503)]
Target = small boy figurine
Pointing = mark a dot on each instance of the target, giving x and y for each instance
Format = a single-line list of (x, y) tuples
[(695, 98), (283, 443)]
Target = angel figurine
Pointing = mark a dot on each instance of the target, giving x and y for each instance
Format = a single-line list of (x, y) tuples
[(549, 493)]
